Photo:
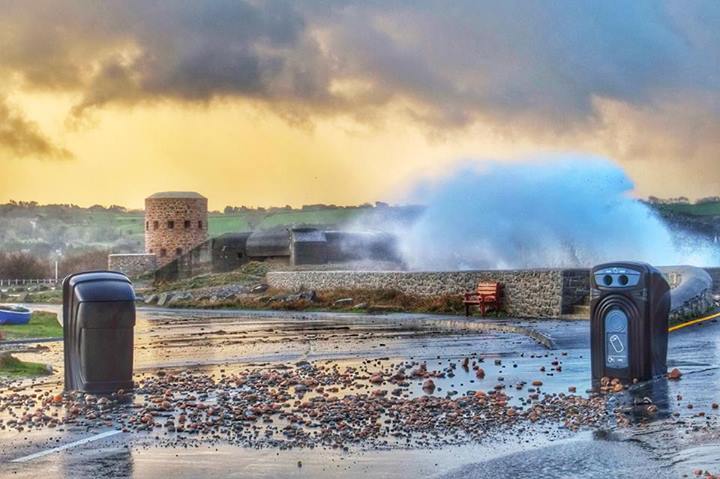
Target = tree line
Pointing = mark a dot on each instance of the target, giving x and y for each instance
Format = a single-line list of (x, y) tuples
[(23, 265)]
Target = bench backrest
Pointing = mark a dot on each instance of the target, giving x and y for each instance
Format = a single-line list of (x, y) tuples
[(488, 288)]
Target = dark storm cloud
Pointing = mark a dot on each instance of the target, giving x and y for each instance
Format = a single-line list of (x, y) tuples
[(534, 68), (20, 138), (460, 61), (528, 61), (143, 50)]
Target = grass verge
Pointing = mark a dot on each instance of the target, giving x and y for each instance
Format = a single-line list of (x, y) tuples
[(44, 297), (360, 301), (250, 273), (13, 367), (42, 325)]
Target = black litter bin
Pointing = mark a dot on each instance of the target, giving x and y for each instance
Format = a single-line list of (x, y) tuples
[(629, 308), (98, 325)]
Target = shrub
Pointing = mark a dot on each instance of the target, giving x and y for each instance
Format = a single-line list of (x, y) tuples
[(23, 266)]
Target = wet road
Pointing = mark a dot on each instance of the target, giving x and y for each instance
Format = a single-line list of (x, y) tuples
[(673, 442)]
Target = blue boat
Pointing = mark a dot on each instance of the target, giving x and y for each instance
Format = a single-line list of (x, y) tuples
[(14, 315)]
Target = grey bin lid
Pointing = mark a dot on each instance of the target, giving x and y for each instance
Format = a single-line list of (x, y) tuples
[(101, 286)]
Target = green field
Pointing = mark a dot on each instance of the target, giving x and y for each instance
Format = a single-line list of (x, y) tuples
[(312, 217), (13, 367), (42, 325), (122, 223), (702, 209), (221, 224), (132, 225), (44, 229), (233, 223), (218, 224), (129, 224)]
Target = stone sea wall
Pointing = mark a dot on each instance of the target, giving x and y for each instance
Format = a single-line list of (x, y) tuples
[(575, 289), (539, 293), (528, 293)]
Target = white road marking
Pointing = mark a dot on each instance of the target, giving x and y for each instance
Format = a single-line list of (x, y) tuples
[(96, 437)]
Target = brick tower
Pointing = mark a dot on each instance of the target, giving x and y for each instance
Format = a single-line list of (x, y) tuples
[(175, 222)]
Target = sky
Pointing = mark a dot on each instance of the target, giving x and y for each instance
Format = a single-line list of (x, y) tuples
[(297, 102)]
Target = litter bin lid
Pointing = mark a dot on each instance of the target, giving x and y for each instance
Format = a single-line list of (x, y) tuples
[(101, 286)]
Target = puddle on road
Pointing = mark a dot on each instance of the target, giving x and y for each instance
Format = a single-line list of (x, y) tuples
[(110, 460)]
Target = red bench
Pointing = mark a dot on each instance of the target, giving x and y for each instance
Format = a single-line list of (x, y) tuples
[(487, 295)]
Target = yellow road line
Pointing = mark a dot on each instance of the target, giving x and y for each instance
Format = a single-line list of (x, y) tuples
[(694, 321)]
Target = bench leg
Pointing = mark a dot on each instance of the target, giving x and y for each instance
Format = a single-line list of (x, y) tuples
[(467, 310)]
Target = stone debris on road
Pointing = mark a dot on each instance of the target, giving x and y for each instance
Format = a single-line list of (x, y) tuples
[(376, 403), (307, 405)]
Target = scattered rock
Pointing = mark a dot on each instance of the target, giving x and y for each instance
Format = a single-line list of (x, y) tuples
[(179, 298), (343, 302), (303, 405), (164, 299), (303, 364), (310, 295), (376, 379), (428, 386), (260, 288)]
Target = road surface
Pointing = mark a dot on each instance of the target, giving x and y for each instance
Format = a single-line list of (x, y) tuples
[(672, 442)]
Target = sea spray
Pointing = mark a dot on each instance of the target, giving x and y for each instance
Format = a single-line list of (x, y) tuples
[(549, 212)]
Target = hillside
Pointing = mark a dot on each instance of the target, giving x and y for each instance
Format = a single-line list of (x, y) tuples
[(44, 229), (701, 218), (709, 208)]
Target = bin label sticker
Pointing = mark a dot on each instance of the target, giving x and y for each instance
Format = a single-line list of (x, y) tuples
[(616, 339)]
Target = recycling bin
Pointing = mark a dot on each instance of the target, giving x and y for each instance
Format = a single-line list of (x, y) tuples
[(98, 327), (629, 309)]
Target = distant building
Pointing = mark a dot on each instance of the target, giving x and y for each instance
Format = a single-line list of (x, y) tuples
[(299, 246), (175, 223), (177, 243)]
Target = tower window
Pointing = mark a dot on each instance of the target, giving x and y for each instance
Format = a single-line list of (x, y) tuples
[(178, 251), (163, 252), (171, 224), (187, 224), (147, 225), (156, 225), (200, 224)]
